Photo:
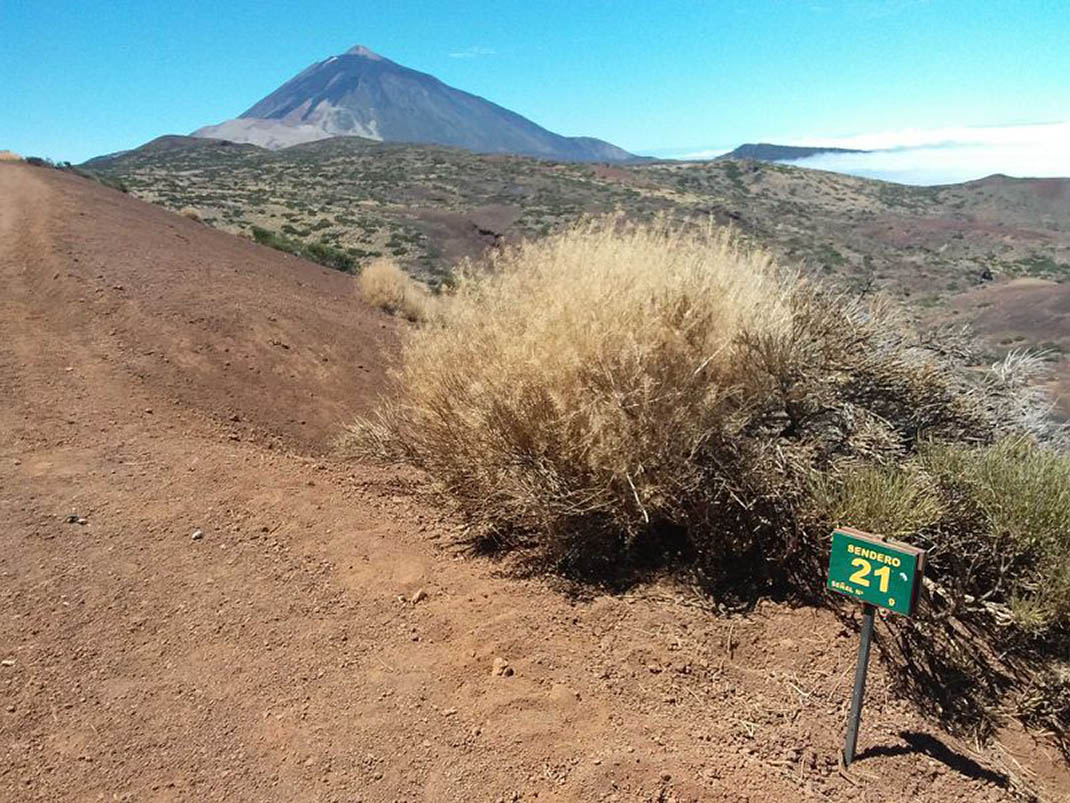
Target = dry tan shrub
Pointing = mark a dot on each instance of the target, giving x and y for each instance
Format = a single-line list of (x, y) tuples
[(581, 378), (382, 283), (191, 213)]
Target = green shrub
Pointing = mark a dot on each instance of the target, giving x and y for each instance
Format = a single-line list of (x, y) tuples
[(1018, 498), (324, 254), (993, 519)]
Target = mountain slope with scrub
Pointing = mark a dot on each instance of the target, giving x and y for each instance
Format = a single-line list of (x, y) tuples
[(935, 248)]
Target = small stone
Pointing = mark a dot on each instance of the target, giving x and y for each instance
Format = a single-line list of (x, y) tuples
[(501, 668), (11, 708), (449, 712), (148, 411), (419, 596), (83, 521), (72, 519), (18, 462), (197, 535), (7, 662)]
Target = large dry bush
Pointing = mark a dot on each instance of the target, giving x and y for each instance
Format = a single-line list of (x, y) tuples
[(574, 390), (615, 395)]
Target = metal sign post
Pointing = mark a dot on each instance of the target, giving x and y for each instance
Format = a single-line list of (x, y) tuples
[(878, 573), (860, 684)]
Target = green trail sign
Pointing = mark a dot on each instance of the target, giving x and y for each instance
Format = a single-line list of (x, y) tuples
[(879, 574), (872, 570)]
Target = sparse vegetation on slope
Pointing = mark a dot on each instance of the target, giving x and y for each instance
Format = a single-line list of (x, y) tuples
[(428, 206), (620, 398), (313, 251)]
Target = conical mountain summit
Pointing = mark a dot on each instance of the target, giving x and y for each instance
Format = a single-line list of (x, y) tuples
[(360, 93)]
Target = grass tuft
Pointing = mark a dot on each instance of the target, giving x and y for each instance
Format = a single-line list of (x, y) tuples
[(382, 283)]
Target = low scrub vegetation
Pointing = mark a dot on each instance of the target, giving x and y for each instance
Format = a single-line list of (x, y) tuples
[(382, 283), (324, 254), (616, 399)]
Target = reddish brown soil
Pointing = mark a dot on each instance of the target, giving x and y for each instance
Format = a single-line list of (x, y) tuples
[(282, 655), (1019, 312), (906, 231)]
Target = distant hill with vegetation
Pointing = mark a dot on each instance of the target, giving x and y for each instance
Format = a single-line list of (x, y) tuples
[(765, 152)]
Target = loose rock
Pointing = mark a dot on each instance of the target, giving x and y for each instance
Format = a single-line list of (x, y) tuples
[(501, 668), (197, 535)]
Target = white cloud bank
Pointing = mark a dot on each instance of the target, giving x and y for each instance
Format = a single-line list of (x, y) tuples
[(942, 155)]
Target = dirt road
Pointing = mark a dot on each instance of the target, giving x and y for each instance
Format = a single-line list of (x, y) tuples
[(321, 640)]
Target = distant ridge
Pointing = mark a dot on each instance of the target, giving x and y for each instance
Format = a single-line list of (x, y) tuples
[(360, 93), (766, 152), (162, 144)]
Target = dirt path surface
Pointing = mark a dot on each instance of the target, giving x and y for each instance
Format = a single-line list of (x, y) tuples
[(321, 640)]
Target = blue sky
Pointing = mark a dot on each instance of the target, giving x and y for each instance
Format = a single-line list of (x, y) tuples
[(669, 78)]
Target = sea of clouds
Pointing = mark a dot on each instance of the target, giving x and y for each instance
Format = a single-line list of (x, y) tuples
[(941, 155)]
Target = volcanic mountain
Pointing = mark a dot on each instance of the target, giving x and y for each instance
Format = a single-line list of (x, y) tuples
[(360, 93)]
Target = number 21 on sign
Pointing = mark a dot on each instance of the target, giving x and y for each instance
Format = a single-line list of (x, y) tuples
[(864, 567)]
